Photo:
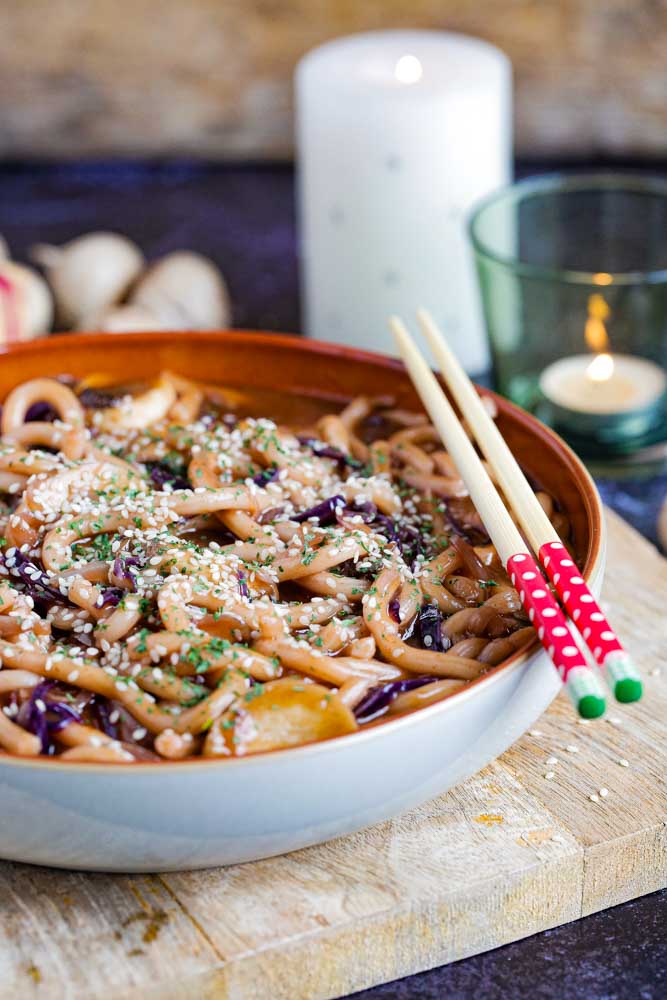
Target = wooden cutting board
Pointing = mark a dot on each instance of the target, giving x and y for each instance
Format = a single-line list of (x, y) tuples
[(507, 853)]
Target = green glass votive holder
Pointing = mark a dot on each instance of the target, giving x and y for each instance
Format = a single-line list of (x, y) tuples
[(573, 276)]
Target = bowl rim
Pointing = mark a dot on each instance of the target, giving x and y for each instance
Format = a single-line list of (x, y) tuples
[(593, 565)]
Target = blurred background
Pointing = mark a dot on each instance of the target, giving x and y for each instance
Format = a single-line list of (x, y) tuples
[(172, 121), (212, 78)]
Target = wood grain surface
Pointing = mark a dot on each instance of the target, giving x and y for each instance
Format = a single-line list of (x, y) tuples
[(507, 853), (206, 78)]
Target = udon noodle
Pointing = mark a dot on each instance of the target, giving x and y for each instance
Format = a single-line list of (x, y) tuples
[(177, 580)]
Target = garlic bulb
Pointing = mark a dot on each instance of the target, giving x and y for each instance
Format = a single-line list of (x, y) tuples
[(186, 291), (89, 274), (126, 319), (26, 306), (662, 525)]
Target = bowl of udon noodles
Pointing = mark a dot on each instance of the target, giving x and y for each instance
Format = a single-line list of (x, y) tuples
[(247, 603)]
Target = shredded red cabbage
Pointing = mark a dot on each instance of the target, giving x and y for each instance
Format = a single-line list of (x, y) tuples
[(365, 509), (100, 707), (325, 512), (45, 717), (394, 608), (123, 566), (41, 411), (163, 475), (243, 585), (430, 628), (32, 574), (112, 596), (378, 699), (97, 399), (406, 537), (266, 476), (323, 450), (409, 541)]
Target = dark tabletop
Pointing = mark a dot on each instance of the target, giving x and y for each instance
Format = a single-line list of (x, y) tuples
[(243, 217)]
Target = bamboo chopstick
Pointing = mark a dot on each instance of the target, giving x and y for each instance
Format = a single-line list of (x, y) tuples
[(618, 669), (552, 629)]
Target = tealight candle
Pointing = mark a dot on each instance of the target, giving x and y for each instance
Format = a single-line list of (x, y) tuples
[(398, 134), (605, 395)]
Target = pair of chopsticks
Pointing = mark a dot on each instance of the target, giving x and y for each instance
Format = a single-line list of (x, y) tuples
[(553, 630)]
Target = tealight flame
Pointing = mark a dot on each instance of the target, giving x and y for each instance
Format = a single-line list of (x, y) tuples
[(595, 330), (408, 69), (601, 368)]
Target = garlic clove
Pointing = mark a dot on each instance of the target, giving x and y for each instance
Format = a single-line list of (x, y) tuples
[(26, 306), (89, 274), (125, 319), (186, 291)]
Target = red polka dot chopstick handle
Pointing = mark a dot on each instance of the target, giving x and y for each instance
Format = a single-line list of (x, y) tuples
[(580, 681), (619, 671)]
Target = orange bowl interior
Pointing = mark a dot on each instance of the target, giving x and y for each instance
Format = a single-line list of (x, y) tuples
[(294, 377)]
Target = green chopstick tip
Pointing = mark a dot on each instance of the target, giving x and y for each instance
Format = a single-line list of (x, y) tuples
[(591, 706), (627, 690)]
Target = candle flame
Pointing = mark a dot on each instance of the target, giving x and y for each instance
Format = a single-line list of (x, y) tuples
[(408, 69), (601, 368), (602, 278), (595, 330)]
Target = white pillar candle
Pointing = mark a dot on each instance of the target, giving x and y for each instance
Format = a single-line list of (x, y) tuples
[(398, 134)]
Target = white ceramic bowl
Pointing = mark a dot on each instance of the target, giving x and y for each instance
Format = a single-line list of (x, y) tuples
[(195, 814)]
